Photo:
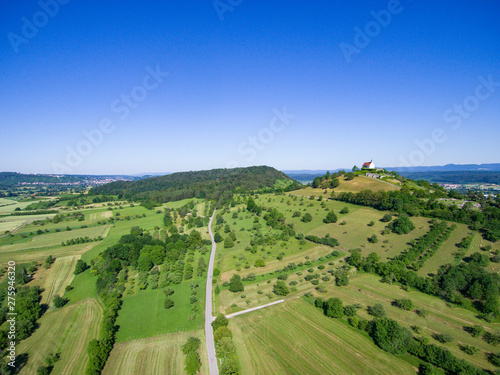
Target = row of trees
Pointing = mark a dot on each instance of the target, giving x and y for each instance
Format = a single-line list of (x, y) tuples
[(394, 338), (28, 309), (224, 347), (192, 362)]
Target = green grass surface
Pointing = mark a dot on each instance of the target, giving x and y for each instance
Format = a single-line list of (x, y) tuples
[(84, 287), (296, 338)]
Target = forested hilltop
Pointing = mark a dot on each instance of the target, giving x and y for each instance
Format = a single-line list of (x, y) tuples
[(217, 184)]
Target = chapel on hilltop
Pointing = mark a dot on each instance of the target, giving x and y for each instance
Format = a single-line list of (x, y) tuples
[(368, 165)]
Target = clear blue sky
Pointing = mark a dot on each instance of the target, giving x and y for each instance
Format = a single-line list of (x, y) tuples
[(420, 70)]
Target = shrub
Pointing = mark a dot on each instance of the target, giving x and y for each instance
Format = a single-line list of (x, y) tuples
[(60, 301), (330, 217), (469, 349), (386, 218), (376, 310), (422, 312), (404, 304), (280, 288), (81, 266), (494, 359), (235, 284), (402, 225), (306, 218), (443, 337), (169, 303)]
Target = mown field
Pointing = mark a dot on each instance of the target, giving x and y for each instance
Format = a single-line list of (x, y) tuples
[(61, 275), (67, 331), (296, 338), (157, 355), (366, 289)]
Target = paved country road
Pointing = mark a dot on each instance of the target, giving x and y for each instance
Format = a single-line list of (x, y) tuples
[(209, 333)]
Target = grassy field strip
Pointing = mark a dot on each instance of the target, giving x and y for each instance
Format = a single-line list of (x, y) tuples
[(367, 290), (7, 206), (61, 275), (154, 356), (41, 253), (55, 239), (445, 253), (69, 331), (296, 338), (10, 225)]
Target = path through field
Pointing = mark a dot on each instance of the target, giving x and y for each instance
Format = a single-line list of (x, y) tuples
[(254, 308), (209, 333)]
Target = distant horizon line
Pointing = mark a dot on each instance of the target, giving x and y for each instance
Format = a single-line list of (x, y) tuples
[(281, 170)]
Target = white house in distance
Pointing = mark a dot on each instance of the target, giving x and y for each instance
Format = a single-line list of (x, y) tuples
[(368, 165)]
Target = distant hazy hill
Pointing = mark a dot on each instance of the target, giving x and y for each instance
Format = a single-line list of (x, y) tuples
[(456, 177), (449, 168), (214, 184), (14, 178), (9, 179)]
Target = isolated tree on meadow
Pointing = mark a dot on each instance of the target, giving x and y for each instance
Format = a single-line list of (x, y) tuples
[(217, 237), (235, 284), (330, 217), (280, 288), (169, 303), (402, 225), (376, 310), (386, 218), (228, 242), (306, 218)]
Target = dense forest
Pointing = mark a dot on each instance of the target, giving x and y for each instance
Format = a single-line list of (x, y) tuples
[(216, 184)]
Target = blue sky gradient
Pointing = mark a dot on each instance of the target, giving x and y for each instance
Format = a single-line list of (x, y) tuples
[(248, 84)]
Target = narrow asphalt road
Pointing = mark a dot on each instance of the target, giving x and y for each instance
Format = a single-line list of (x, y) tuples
[(209, 333)]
